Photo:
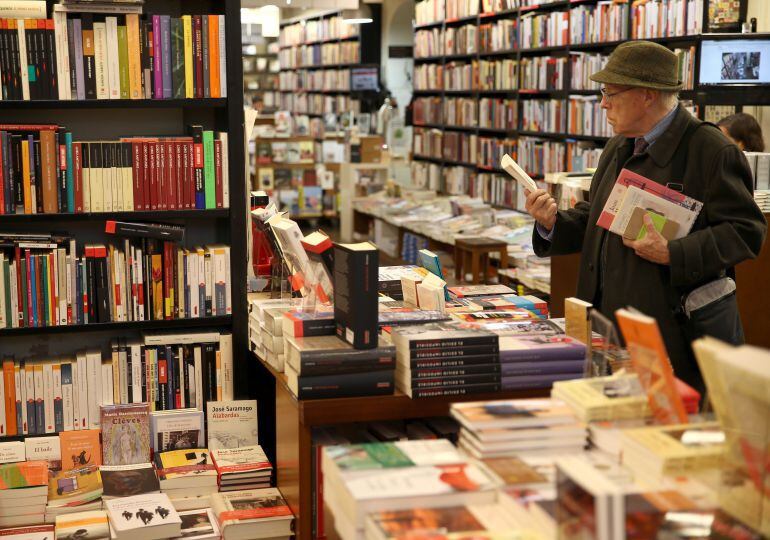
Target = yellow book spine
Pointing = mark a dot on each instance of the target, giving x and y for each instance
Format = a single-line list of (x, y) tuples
[(188, 57), (25, 177), (134, 62)]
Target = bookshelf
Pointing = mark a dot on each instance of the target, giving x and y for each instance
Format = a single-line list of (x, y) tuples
[(110, 119), (317, 57), (546, 69), (260, 72)]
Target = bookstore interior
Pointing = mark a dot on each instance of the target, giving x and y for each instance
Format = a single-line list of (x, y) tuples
[(390, 270)]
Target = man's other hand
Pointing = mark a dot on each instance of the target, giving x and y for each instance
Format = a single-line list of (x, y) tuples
[(653, 247), (542, 207)]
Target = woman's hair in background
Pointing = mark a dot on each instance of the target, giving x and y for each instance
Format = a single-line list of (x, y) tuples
[(744, 128)]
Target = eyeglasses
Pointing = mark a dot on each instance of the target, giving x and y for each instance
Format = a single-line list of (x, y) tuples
[(606, 95)]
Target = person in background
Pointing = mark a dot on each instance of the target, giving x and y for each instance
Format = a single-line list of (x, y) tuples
[(743, 129), (685, 284)]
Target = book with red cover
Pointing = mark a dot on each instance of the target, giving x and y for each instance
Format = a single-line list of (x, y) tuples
[(170, 185), (137, 170), (198, 54), (152, 171), (160, 166)]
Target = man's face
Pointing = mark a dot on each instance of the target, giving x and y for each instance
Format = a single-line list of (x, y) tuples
[(626, 108)]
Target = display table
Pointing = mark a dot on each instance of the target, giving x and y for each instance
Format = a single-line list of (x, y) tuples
[(295, 419)]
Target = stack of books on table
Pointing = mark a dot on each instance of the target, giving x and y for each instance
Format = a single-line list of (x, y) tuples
[(444, 359), (241, 468), (389, 279), (617, 397), (253, 514), (527, 426), (128, 480), (88, 524), (187, 476), (257, 318), (74, 491), (540, 361), (23, 493), (360, 479), (328, 367), (143, 517)]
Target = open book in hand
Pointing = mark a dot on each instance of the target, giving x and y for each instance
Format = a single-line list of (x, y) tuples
[(634, 193), (511, 167)]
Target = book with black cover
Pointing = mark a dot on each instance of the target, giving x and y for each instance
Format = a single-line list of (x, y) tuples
[(127, 480), (162, 231), (325, 355), (355, 293), (373, 383), (440, 335)]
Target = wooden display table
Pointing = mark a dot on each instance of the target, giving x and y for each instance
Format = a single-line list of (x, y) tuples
[(474, 253), (295, 419)]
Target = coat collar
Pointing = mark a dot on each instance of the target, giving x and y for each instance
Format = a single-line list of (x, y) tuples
[(662, 151)]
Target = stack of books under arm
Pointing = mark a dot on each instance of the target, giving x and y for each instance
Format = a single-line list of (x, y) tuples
[(360, 479), (504, 428)]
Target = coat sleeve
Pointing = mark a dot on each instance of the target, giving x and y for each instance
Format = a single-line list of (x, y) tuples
[(735, 228), (568, 233)]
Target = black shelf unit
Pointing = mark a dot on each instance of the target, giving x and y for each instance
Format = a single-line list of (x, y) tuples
[(701, 96), (368, 39), (104, 119)]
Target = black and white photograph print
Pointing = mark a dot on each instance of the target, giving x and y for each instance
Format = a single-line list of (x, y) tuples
[(196, 524), (740, 66)]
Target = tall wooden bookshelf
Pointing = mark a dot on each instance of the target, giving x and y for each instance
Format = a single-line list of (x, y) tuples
[(698, 95), (110, 119)]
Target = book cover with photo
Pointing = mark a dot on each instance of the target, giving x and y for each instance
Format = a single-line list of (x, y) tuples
[(127, 480), (199, 525), (176, 430), (125, 434)]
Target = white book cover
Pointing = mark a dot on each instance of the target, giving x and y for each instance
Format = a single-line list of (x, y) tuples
[(23, 60), (115, 384), (64, 281), (12, 452), (113, 58), (123, 355), (232, 424), (107, 393), (68, 395), (225, 157), (228, 283), (108, 186), (226, 353), (95, 189), (77, 419), (240, 460), (634, 197), (180, 371), (48, 397), (62, 55), (176, 430), (3, 323), (86, 185), (39, 399), (117, 182), (181, 339), (82, 386), (128, 188), (199, 524), (198, 363), (152, 360), (143, 512), (14, 297), (140, 283), (136, 373), (20, 375), (94, 385), (193, 278), (100, 60), (209, 280), (222, 59), (45, 449)]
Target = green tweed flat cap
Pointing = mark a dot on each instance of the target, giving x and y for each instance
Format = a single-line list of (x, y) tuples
[(642, 64)]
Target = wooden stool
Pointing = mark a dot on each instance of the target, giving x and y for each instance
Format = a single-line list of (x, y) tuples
[(474, 253)]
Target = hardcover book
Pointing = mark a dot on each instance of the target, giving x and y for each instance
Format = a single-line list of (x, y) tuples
[(249, 512), (125, 434), (199, 525), (324, 355), (240, 460), (33, 532), (45, 448), (355, 293), (176, 429), (232, 424)]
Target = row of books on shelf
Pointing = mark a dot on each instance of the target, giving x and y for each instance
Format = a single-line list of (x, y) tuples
[(429, 11), (316, 30), (318, 104), (461, 40), (498, 113), (87, 56), (544, 30), (667, 18), (346, 52), (602, 22), (44, 281), (160, 372), (317, 79), (468, 39), (542, 73), (43, 170)]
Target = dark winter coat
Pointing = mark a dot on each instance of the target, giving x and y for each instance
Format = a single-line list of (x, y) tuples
[(729, 229)]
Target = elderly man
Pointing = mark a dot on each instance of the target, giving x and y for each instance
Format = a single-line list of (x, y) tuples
[(657, 138)]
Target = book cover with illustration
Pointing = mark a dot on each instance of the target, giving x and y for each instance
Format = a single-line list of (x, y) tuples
[(145, 512), (128, 480), (184, 463), (80, 449), (23, 474), (82, 525), (254, 504), (240, 460), (125, 434), (231, 424), (75, 487), (199, 525)]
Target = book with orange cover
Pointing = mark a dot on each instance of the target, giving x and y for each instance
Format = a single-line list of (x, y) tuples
[(23, 474), (214, 55), (652, 365), (80, 449), (9, 387)]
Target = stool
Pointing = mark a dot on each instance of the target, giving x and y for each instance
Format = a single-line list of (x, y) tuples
[(474, 253)]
